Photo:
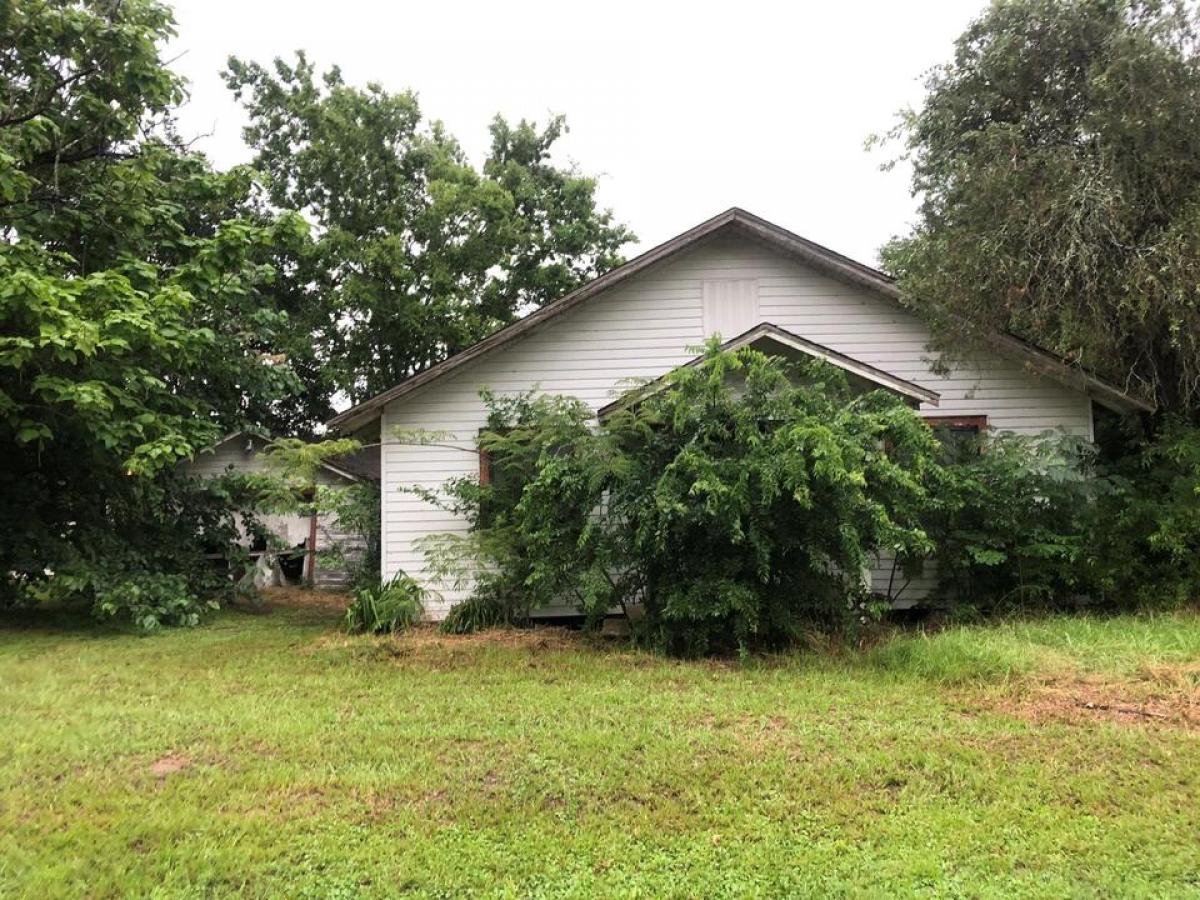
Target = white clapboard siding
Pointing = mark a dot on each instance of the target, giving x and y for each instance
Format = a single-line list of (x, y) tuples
[(654, 322)]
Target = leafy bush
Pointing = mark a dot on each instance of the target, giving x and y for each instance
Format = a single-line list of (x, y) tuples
[(738, 506), (476, 613), (753, 496), (1046, 523), (152, 600), (386, 607), (516, 556), (1014, 525), (1146, 532)]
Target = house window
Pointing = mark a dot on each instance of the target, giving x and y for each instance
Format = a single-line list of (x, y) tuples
[(961, 436), (506, 480), (730, 307)]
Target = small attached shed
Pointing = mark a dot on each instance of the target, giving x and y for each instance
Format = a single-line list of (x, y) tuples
[(308, 534)]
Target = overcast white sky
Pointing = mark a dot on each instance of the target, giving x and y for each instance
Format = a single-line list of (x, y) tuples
[(681, 109)]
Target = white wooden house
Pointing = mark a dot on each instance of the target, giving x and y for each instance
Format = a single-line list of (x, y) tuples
[(735, 274)]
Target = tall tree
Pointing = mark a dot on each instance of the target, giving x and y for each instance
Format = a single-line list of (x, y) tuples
[(418, 253), (1057, 160), (134, 329)]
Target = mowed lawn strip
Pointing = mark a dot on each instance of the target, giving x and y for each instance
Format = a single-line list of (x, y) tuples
[(268, 754)]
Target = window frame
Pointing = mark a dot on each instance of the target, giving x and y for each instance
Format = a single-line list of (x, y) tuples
[(485, 467), (978, 422)]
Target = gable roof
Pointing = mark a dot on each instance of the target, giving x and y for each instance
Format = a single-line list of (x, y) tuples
[(765, 333), (734, 221)]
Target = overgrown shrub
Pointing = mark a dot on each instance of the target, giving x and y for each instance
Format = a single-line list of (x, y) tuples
[(739, 505), (1038, 523), (386, 606), (1145, 538), (152, 600), (757, 494), (518, 555), (1014, 525)]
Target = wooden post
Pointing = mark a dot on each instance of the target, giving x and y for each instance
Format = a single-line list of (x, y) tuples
[(311, 562), (312, 549)]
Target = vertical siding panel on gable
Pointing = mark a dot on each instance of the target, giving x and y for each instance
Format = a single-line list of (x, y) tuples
[(645, 327), (729, 306)]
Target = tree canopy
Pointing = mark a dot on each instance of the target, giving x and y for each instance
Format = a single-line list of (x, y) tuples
[(417, 253), (1057, 162), (134, 329), (150, 304)]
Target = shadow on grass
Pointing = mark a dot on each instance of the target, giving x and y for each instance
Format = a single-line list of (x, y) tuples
[(78, 621), (60, 619)]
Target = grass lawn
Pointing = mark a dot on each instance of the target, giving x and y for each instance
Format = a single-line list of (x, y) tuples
[(267, 754)]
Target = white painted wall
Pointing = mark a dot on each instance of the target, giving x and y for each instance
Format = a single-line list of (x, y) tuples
[(654, 322)]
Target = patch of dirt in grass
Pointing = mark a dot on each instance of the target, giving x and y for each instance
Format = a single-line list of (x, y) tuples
[(431, 646), (754, 735), (475, 790), (536, 639), (303, 598), (759, 734), (1155, 696), (170, 764)]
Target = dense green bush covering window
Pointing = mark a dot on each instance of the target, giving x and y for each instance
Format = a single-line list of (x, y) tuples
[(1013, 526), (735, 518), (1146, 536)]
